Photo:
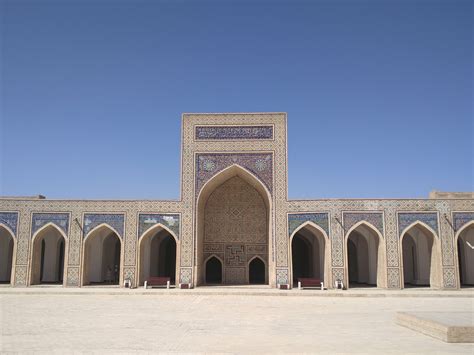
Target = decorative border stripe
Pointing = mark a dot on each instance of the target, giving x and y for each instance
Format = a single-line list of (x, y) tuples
[(296, 220), (462, 218), (147, 221), (10, 219), (92, 220), (233, 132), (407, 218), (374, 218), (61, 220)]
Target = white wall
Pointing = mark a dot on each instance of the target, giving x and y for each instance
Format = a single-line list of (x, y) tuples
[(6, 255)]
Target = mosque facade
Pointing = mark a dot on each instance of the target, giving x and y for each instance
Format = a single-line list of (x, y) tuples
[(234, 225)]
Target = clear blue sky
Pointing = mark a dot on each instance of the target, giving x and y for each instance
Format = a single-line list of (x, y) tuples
[(378, 93)]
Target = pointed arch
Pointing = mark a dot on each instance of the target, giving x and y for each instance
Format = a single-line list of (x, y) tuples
[(309, 224), (369, 263), (203, 196), (317, 258), (418, 261), (85, 257), (7, 258), (37, 257), (464, 245), (150, 233), (214, 256), (257, 279)]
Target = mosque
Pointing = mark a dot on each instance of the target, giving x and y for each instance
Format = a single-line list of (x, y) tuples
[(234, 225)]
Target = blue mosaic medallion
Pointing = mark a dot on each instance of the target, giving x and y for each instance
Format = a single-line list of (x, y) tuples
[(10, 219), (92, 220), (147, 221), (462, 218), (233, 132), (61, 220), (407, 218), (296, 220)]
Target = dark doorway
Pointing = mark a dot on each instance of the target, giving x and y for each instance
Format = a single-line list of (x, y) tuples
[(213, 271), (257, 272), (301, 256), (167, 258), (61, 261), (353, 261)]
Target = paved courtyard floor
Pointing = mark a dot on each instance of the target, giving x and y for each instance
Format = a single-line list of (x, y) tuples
[(126, 322)]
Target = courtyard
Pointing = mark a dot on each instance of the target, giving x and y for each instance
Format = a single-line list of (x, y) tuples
[(238, 320)]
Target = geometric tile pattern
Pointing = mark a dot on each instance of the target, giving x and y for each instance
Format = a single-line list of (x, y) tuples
[(10, 219), (208, 165), (296, 220), (407, 218), (282, 277), (92, 220), (233, 132), (146, 221), (461, 218), (61, 220), (375, 218)]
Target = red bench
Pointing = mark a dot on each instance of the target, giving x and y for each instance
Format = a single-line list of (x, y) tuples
[(157, 281), (309, 282)]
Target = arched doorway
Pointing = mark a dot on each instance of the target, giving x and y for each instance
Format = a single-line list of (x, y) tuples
[(308, 253), (233, 223), (47, 265), (6, 255), (213, 271), (365, 254), (420, 257), (465, 244), (158, 254), (256, 271), (102, 257)]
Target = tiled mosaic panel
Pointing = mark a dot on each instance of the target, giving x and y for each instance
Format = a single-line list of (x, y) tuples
[(72, 276), (462, 218), (405, 219), (282, 277), (235, 255), (10, 219), (61, 220), (296, 220), (208, 165), (233, 132), (449, 278), (146, 221), (185, 275), (393, 278), (375, 219), (92, 220), (337, 241), (338, 274)]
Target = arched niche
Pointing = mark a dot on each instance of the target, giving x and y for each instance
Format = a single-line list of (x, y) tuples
[(102, 257), (309, 253), (48, 255), (232, 206), (421, 256), (7, 248), (213, 270), (365, 256), (465, 250), (158, 250)]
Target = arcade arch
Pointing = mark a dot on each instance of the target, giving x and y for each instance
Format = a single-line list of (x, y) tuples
[(48, 252), (309, 253), (101, 262), (158, 253), (7, 243), (213, 271), (365, 256), (465, 244), (421, 257)]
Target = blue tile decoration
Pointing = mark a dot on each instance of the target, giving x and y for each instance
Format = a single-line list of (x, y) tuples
[(92, 220), (296, 220), (374, 218), (461, 218), (61, 220), (233, 132), (208, 165), (10, 219), (407, 218), (146, 221)]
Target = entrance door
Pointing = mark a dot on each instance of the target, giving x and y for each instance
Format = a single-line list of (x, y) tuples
[(213, 271)]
